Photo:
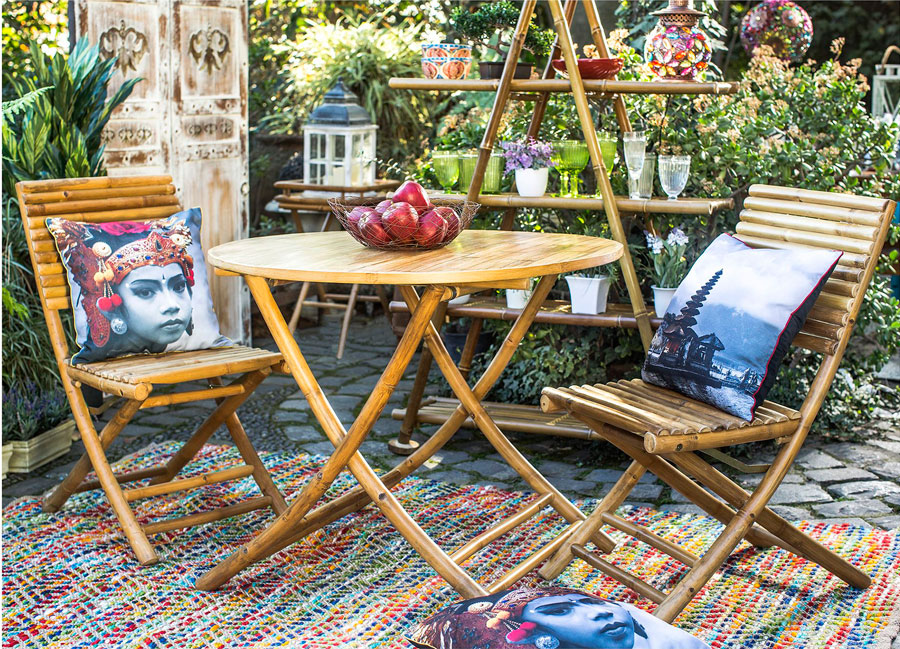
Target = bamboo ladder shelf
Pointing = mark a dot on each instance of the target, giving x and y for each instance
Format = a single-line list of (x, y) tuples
[(530, 418)]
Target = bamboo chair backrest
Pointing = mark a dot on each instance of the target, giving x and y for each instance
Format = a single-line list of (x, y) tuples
[(782, 217), (93, 200)]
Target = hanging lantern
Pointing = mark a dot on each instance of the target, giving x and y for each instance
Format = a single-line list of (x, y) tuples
[(781, 24), (339, 143), (677, 49)]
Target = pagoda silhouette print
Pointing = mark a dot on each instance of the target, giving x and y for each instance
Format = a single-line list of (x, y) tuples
[(678, 351)]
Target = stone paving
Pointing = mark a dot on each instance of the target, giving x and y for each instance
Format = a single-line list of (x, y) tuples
[(858, 482)]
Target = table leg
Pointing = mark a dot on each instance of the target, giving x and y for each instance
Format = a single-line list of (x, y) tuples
[(346, 446), (498, 440)]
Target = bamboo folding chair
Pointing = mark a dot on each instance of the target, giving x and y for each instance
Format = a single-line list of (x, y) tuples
[(134, 377), (661, 430)]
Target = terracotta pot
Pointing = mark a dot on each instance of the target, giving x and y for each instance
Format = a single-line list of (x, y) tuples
[(494, 70)]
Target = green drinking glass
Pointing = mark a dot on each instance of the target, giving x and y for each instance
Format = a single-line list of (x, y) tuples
[(560, 167), (607, 142), (575, 156), (446, 168), (490, 184)]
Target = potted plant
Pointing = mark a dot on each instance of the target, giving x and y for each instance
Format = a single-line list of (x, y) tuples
[(588, 290), (517, 298), (454, 335), (530, 159), (36, 428), (669, 266), (498, 19)]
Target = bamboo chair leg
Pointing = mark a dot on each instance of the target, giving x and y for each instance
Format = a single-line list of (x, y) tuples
[(298, 308), (404, 444), (614, 497), (498, 440), (57, 498), (348, 315), (260, 474), (136, 538), (216, 418), (788, 536)]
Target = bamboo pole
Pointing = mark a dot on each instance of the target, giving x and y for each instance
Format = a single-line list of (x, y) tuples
[(599, 37), (232, 473), (493, 124), (612, 213), (595, 86), (208, 517)]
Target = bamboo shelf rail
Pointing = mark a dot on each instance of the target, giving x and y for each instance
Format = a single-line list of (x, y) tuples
[(551, 312), (564, 85), (650, 206)]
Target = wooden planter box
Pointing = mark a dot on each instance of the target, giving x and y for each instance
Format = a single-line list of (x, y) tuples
[(29, 455)]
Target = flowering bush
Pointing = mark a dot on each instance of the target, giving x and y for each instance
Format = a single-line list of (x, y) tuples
[(668, 258), (29, 411), (527, 154)]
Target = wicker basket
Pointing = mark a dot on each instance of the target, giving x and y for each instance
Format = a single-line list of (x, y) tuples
[(343, 209)]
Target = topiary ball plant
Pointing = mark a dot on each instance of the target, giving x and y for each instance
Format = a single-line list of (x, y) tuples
[(499, 18)]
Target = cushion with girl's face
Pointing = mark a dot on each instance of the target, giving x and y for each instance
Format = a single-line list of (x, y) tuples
[(732, 320), (137, 286), (547, 618)]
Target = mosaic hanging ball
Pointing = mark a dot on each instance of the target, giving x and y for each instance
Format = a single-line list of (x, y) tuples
[(677, 52), (781, 24)]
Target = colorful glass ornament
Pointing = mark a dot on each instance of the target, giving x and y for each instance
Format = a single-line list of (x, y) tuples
[(781, 24), (677, 49)]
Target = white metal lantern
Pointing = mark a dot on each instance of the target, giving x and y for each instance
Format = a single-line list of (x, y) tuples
[(339, 143)]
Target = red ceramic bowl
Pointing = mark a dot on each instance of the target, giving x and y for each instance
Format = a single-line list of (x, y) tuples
[(592, 68)]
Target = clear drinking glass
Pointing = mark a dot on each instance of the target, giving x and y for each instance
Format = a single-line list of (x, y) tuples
[(607, 142), (645, 185), (673, 174), (446, 168), (635, 144), (575, 156)]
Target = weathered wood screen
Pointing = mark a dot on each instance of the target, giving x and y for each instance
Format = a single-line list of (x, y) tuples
[(189, 115)]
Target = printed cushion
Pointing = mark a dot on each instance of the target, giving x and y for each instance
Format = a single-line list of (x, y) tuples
[(547, 618), (137, 286), (732, 320)]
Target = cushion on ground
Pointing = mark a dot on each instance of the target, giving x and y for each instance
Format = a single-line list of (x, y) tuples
[(732, 320), (547, 618), (137, 286)]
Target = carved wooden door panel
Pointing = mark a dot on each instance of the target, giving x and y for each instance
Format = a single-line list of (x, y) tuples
[(189, 115)]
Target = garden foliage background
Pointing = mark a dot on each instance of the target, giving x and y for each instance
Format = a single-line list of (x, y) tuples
[(804, 124)]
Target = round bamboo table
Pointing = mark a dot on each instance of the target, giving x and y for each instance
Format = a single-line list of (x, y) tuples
[(476, 260)]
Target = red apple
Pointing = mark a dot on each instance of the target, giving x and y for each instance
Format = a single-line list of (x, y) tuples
[(383, 206), (400, 221), (413, 193), (431, 230), (453, 223), (356, 215), (372, 231)]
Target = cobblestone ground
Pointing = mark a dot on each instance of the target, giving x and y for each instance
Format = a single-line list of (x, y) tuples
[(858, 482)]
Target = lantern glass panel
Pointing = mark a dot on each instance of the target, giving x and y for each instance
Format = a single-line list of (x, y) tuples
[(316, 146), (339, 147)]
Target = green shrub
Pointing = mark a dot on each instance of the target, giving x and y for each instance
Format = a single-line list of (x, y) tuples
[(51, 129)]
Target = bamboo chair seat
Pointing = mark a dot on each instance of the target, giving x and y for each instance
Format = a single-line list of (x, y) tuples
[(641, 408), (177, 367), (660, 429), (103, 200)]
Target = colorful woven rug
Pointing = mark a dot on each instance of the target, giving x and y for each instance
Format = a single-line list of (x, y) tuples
[(70, 580)]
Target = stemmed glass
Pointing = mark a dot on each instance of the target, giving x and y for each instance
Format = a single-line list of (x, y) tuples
[(635, 144), (446, 168), (575, 157), (557, 159), (673, 174), (607, 142)]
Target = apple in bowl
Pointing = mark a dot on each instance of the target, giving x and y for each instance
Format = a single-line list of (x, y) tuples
[(372, 230), (400, 221), (413, 193), (431, 229)]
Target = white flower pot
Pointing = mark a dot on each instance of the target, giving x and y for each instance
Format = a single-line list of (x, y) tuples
[(661, 299), (517, 298), (588, 293), (37, 451), (462, 299), (532, 182)]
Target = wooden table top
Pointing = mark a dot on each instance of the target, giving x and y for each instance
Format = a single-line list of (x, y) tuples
[(474, 256)]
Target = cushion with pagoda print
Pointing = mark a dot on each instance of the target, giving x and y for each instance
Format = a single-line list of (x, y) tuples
[(732, 320)]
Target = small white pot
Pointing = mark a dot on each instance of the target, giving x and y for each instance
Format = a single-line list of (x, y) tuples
[(462, 299), (517, 298), (532, 182), (661, 299), (588, 293)]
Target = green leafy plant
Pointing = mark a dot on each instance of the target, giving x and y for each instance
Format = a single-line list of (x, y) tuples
[(667, 256), (491, 22)]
